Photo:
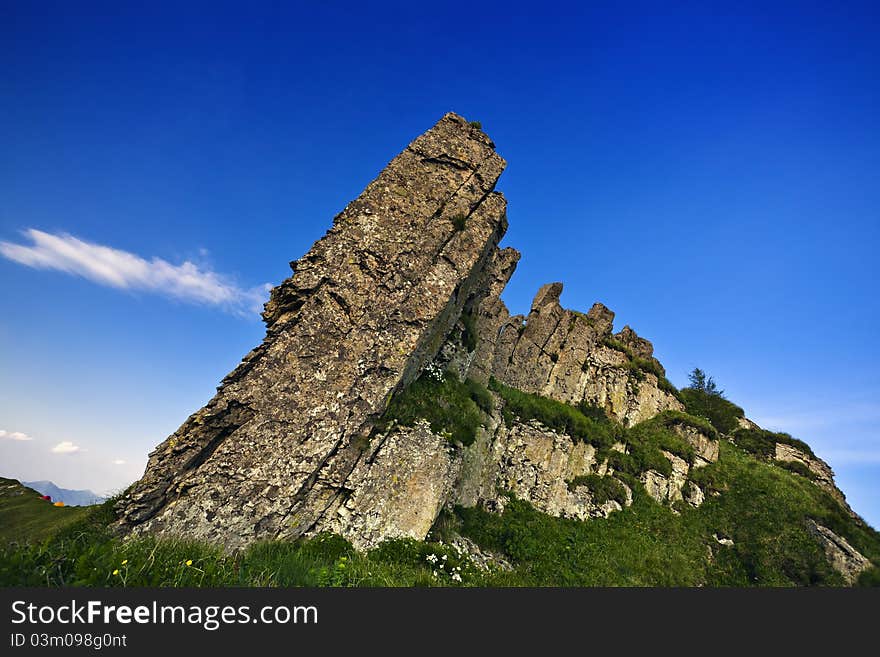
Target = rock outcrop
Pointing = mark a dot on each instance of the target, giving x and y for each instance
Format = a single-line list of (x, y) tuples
[(842, 556), (535, 464), (822, 473), (570, 356), (410, 276), (366, 308)]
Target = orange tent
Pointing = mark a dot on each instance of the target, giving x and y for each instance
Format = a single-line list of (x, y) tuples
[(59, 503)]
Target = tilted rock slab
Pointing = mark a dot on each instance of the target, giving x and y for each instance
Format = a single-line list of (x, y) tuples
[(271, 454)]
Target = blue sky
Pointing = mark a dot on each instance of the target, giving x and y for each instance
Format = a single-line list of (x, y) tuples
[(709, 173)]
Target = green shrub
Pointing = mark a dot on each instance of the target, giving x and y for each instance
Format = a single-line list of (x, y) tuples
[(640, 458), (666, 385), (617, 345), (639, 366), (553, 414), (469, 334), (480, 395), (475, 124), (593, 412), (602, 489), (671, 418), (709, 478), (785, 438), (723, 414), (756, 441), (762, 443), (649, 365), (459, 221), (450, 406), (870, 577), (657, 432), (798, 468)]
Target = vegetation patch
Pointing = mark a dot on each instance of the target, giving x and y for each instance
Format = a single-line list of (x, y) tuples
[(88, 554), (787, 439), (617, 345), (469, 332), (798, 468), (553, 414), (25, 516), (638, 367), (602, 489), (671, 418), (450, 406), (762, 443), (703, 399), (763, 509), (459, 221), (666, 385)]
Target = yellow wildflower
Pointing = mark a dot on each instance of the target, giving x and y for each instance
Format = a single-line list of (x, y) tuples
[(115, 572), (189, 562)]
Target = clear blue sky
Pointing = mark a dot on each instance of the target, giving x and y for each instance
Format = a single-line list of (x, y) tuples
[(711, 174)]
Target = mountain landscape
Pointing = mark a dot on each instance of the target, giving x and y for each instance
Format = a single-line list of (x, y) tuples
[(398, 426), (66, 495)]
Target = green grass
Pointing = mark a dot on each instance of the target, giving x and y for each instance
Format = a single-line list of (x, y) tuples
[(451, 407), (798, 468), (555, 415), (459, 221), (24, 516), (763, 508), (87, 553)]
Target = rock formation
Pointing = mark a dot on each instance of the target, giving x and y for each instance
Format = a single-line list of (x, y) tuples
[(410, 276), (366, 308)]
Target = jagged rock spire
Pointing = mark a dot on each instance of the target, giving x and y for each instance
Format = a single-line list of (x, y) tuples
[(366, 308)]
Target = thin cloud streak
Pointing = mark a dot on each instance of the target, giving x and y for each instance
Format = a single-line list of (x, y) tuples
[(126, 271), (65, 447), (14, 435)]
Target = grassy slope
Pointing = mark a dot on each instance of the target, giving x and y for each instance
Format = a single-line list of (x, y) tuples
[(26, 517), (762, 507)]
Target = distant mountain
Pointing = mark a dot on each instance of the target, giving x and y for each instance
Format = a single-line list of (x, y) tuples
[(69, 497)]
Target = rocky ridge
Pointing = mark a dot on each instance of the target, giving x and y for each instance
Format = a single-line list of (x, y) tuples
[(409, 277)]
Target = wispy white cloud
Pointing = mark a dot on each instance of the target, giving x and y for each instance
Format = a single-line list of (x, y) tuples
[(124, 270), (14, 435), (119, 461), (65, 447)]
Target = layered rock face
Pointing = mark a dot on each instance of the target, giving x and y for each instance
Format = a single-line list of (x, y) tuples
[(570, 356), (366, 308)]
